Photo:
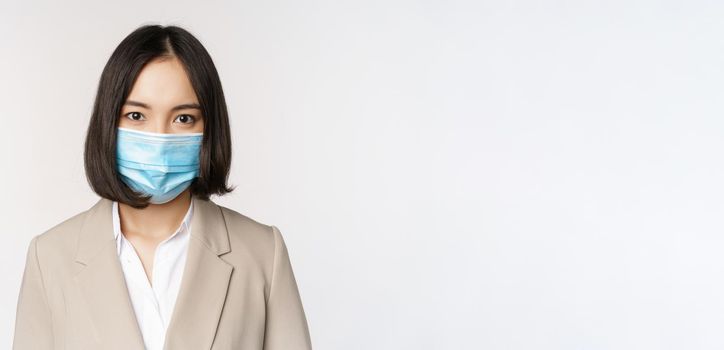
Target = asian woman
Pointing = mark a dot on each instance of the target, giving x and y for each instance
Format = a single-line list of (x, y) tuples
[(156, 264)]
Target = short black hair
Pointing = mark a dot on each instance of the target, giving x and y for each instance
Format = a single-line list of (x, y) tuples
[(138, 48)]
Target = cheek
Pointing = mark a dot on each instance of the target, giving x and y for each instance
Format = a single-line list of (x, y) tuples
[(199, 126), (123, 122)]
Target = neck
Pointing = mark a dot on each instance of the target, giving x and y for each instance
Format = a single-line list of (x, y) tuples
[(157, 221)]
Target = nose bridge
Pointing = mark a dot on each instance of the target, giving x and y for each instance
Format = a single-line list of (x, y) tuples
[(160, 124)]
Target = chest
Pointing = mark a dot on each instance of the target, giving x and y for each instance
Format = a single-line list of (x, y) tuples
[(153, 268), (227, 309)]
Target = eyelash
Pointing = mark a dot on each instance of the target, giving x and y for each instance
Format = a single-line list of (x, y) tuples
[(193, 119)]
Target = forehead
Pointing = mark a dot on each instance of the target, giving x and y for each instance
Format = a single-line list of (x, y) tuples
[(163, 83)]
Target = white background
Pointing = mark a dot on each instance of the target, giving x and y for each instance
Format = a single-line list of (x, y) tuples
[(446, 174)]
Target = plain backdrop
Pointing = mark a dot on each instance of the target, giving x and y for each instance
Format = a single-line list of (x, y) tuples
[(446, 174)]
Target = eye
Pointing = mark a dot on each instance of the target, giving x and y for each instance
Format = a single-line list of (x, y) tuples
[(186, 118), (132, 116)]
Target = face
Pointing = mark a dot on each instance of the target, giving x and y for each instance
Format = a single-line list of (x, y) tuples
[(162, 100)]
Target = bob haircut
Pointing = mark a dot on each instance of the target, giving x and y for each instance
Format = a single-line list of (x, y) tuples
[(144, 44)]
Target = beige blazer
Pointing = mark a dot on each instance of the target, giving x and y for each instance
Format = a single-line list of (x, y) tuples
[(238, 289)]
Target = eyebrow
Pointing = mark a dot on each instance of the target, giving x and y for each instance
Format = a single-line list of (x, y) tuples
[(179, 107)]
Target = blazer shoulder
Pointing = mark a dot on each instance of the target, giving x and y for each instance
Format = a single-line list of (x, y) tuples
[(62, 237), (248, 233), (237, 222)]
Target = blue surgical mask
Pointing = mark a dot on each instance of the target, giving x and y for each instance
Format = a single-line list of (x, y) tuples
[(157, 164)]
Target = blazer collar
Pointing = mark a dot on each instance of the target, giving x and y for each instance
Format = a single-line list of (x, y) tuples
[(201, 295), (97, 231)]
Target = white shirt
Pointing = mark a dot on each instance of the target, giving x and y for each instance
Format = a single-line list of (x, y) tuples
[(153, 303)]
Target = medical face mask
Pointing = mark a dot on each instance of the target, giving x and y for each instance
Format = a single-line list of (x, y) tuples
[(157, 164)]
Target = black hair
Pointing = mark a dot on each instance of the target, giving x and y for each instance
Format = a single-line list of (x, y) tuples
[(144, 44)]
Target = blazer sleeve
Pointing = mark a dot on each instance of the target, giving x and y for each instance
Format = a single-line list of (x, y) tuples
[(286, 323), (33, 326)]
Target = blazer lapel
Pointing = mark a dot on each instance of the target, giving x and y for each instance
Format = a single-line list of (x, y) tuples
[(102, 283), (205, 281), (201, 295)]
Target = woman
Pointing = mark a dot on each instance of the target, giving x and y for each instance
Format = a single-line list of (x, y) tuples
[(154, 263)]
